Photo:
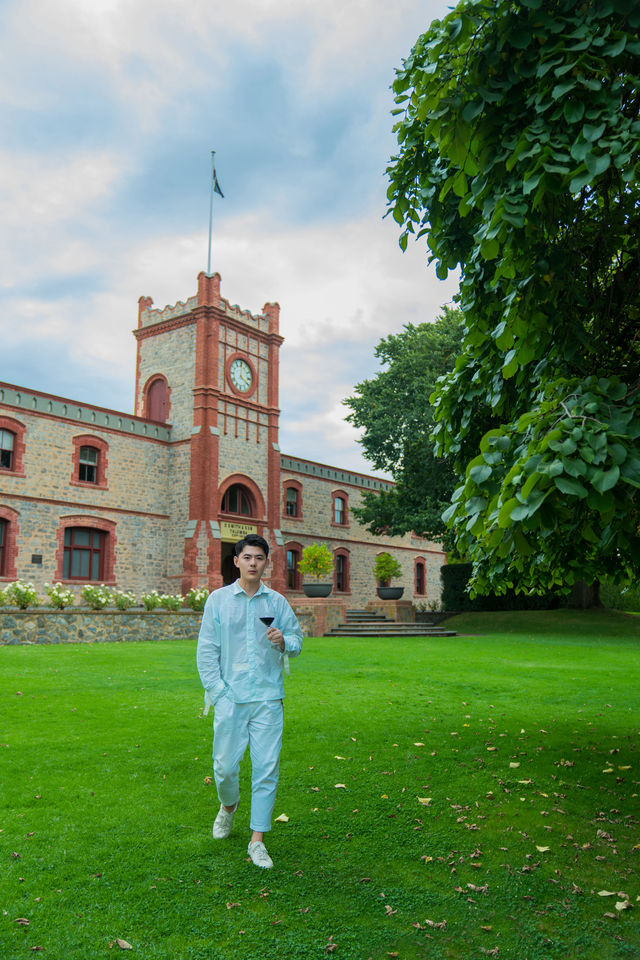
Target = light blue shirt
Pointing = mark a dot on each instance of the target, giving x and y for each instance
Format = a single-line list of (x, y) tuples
[(234, 655)]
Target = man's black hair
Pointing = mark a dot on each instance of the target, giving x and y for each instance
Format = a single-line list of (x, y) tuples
[(252, 540)]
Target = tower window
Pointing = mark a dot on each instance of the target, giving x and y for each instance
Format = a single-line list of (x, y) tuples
[(237, 500)]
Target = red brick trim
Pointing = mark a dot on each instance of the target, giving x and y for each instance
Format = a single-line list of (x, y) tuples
[(416, 592), (164, 326), (297, 583), (18, 429), (145, 397), (342, 552), (78, 505), (345, 496), (237, 355), (295, 485), (10, 549), (89, 440), (95, 523)]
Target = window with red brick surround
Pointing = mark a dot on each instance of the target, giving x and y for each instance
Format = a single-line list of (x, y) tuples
[(8, 543), (292, 499), (293, 555), (156, 398), (248, 488), (12, 445), (419, 577), (83, 460), (339, 508), (89, 545), (341, 570)]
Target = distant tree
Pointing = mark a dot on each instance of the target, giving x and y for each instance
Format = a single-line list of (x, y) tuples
[(519, 161), (394, 411)]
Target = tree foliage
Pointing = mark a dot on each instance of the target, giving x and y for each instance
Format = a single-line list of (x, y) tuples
[(393, 409), (519, 134)]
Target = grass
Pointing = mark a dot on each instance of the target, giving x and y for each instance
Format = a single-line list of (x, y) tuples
[(523, 731)]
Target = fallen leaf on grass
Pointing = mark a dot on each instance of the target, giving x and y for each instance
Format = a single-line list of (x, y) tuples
[(607, 893), (611, 916), (340, 786), (389, 910), (514, 765), (303, 909), (365, 879), (483, 889), (331, 946), (230, 905), (436, 926), (487, 928), (624, 905), (339, 758), (36, 948), (425, 801), (420, 744), (22, 921), (542, 849), (123, 944), (490, 953), (283, 818)]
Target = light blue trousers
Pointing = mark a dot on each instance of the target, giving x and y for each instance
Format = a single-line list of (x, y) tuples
[(258, 724)]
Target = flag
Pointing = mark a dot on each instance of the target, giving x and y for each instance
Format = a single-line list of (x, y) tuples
[(216, 185)]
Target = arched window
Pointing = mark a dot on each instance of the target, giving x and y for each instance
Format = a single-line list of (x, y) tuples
[(86, 550), (7, 446), (156, 398), (292, 499), (88, 464), (89, 461), (83, 554), (339, 508), (293, 553), (341, 571), (12, 445), (238, 500), (419, 578)]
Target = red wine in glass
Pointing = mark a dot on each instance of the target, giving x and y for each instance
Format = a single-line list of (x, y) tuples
[(267, 620)]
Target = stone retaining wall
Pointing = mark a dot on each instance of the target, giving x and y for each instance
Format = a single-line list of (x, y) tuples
[(95, 626)]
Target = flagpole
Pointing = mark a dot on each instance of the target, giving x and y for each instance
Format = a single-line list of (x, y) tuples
[(213, 177)]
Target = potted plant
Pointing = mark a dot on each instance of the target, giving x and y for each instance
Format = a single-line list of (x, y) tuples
[(316, 562), (385, 569)]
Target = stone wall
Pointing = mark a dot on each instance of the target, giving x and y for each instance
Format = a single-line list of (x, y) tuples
[(95, 626)]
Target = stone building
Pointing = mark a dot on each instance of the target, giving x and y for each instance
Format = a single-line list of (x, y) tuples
[(157, 499)]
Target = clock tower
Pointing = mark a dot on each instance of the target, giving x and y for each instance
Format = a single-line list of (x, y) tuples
[(211, 368)]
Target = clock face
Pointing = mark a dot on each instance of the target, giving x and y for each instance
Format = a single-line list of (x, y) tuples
[(241, 375)]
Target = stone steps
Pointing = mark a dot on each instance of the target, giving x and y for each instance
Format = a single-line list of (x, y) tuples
[(361, 623)]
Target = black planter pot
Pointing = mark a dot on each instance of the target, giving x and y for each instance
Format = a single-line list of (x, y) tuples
[(317, 589), (390, 593)]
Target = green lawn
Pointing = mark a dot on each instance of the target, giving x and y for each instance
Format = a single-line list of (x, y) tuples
[(523, 732)]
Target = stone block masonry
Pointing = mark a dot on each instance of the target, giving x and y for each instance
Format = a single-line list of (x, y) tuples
[(96, 626)]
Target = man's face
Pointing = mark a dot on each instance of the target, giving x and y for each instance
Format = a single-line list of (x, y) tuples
[(251, 564)]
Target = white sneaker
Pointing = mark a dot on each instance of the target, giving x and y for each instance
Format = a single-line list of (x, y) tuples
[(223, 823), (258, 853)]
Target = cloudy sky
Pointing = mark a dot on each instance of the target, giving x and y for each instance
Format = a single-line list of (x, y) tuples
[(109, 111)]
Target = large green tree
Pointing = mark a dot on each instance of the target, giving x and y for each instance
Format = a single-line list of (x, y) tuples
[(519, 154), (394, 412)]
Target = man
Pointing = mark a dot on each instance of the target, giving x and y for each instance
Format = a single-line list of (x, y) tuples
[(240, 662)]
